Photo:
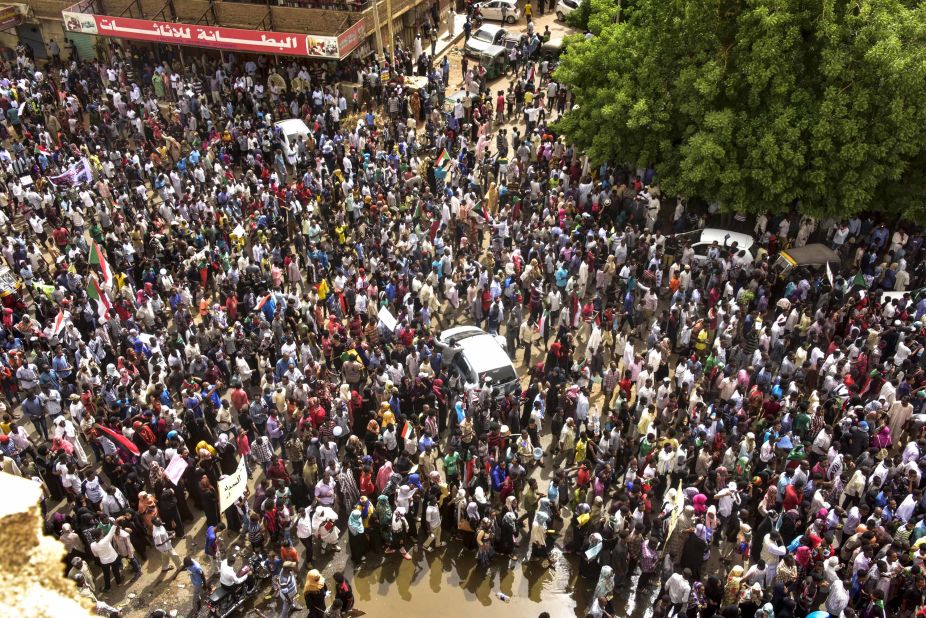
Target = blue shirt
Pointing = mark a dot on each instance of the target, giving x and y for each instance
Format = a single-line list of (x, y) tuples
[(197, 577), (211, 544), (61, 366)]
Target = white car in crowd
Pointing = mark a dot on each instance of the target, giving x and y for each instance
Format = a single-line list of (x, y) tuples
[(473, 355), (565, 7), (290, 132), (506, 11), (484, 38), (702, 241)]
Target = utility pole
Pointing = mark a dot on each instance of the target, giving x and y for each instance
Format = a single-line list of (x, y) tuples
[(391, 31), (377, 28)]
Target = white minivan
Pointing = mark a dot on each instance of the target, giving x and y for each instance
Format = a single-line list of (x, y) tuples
[(472, 355), (290, 132)]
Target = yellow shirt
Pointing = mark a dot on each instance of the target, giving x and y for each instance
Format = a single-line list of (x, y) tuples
[(581, 447)]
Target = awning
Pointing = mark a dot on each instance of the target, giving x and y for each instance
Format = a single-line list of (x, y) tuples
[(219, 37), (11, 15)]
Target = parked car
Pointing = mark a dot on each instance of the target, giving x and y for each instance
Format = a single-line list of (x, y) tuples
[(702, 241), (473, 355), (565, 7), (506, 11), (485, 37)]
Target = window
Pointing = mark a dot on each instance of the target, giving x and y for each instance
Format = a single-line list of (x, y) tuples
[(462, 368), (484, 35)]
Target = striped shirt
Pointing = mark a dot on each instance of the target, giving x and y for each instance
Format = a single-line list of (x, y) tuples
[(287, 583)]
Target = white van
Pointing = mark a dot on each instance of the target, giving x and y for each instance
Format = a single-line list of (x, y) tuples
[(290, 131), (472, 355)]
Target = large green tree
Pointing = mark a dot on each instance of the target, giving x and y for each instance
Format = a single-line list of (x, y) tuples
[(759, 103)]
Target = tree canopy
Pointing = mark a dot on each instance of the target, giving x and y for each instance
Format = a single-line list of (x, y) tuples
[(759, 104)]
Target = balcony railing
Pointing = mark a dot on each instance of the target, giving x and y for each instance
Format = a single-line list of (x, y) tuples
[(328, 5)]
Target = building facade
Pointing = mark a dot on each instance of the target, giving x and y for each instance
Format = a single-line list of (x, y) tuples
[(329, 30)]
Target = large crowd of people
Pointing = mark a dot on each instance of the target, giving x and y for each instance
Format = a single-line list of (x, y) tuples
[(746, 441)]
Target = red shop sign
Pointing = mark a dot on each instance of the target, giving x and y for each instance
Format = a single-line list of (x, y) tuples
[(255, 41)]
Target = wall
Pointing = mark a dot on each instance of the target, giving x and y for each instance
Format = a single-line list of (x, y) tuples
[(31, 577)]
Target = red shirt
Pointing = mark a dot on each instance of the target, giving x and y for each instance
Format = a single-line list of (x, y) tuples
[(792, 499), (61, 236), (239, 398)]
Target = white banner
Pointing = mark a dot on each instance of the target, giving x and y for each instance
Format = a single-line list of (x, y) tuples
[(232, 487), (76, 174), (385, 316)]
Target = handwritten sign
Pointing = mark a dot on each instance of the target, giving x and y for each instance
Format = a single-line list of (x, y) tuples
[(175, 469), (232, 487)]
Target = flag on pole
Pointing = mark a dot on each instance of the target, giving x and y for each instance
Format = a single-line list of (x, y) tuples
[(443, 159), (98, 258), (485, 213), (60, 321), (98, 297), (406, 430)]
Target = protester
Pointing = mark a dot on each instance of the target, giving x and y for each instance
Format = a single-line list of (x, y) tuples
[(199, 295)]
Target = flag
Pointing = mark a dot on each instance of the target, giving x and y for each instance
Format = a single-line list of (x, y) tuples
[(120, 439), (829, 274), (47, 290), (406, 430), (97, 296), (542, 324), (60, 321), (77, 173), (859, 280), (98, 258), (263, 301), (443, 159)]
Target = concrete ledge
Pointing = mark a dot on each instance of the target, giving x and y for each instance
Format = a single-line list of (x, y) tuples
[(32, 582)]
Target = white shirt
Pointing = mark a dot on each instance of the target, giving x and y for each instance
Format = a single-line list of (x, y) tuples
[(228, 576), (103, 549), (432, 516), (304, 526), (678, 588)]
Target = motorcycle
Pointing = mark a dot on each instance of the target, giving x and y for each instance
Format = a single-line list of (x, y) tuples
[(224, 602), (260, 565)]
